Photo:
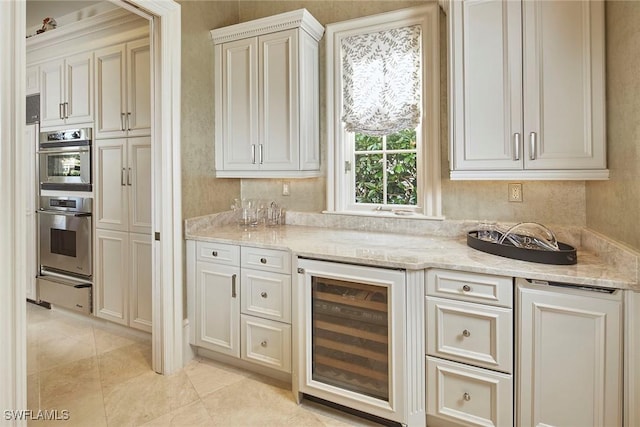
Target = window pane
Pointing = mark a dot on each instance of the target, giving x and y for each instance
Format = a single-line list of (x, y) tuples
[(368, 143), (403, 140), (369, 178), (401, 179)]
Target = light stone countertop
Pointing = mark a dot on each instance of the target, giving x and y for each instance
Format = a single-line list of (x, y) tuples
[(414, 252)]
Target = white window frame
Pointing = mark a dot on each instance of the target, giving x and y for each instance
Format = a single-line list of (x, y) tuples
[(340, 187)]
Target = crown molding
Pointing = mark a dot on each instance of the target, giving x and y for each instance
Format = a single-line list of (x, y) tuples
[(85, 33), (300, 18)]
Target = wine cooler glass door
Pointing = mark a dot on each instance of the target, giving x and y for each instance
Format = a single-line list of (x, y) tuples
[(350, 336), (354, 327)]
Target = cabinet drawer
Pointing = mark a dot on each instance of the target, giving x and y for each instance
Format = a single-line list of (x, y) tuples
[(266, 342), (474, 287), (219, 253), (470, 333), (266, 260), (468, 396), (266, 294)]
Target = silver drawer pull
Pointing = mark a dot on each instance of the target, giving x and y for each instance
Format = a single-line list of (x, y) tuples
[(214, 253), (263, 295), (466, 397), (263, 260), (466, 288), (466, 333), (263, 343)]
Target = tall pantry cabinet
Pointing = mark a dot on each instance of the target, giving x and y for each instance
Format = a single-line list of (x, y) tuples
[(123, 211)]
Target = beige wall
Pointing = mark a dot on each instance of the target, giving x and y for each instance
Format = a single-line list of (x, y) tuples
[(613, 207), (546, 202), (202, 193)]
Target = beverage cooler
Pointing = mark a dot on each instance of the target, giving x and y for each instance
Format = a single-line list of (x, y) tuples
[(353, 336)]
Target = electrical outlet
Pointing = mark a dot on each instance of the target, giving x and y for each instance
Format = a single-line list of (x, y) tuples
[(285, 188), (515, 192)]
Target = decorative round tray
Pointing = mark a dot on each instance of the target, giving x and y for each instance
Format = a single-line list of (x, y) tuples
[(566, 255)]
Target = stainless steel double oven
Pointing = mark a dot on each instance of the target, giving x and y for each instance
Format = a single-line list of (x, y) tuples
[(65, 238)]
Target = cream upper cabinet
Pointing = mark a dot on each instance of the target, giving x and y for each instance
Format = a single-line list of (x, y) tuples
[(123, 90), (527, 90), (66, 90), (32, 80), (266, 97), (569, 356)]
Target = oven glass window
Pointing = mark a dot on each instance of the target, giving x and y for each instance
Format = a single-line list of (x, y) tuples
[(350, 336), (63, 242), (63, 164)]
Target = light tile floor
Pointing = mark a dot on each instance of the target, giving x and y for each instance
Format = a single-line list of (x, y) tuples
[(102, 375)]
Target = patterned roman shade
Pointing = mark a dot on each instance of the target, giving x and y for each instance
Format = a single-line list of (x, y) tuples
[(381, 81)]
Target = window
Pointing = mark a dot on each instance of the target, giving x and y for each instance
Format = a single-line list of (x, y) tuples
[(383, 86)]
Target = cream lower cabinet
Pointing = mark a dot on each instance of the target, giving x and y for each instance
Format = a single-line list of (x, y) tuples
[(123, 278), (242, 302), (527, 89), (469, 325), (569, 356)]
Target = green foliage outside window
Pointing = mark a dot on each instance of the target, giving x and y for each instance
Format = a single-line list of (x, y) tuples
[(392, 159)]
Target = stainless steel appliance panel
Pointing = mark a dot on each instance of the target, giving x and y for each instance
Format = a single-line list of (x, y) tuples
[(65, 234), (66, 293), (65, 160)]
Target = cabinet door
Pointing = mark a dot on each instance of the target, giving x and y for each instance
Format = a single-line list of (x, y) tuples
[(218, 308), (32, 81), (111, 204), (110, 92), (51, 93), (564, 84), (138, 88), (278, 105), (486, 67), (570, 354), (79, 88), (111, 281), (240, 104), (140, 283), (139, 184)]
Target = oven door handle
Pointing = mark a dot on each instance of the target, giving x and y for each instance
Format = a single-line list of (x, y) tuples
[(75, 214), (65, 150)]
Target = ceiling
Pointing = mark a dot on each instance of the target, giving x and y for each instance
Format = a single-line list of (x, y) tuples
[(37, 10)]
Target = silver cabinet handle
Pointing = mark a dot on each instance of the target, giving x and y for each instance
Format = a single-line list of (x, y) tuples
[(532, 145), (233, 286), (66, 110), (124, 171), (261, 156), (122, 122), (253, 153), (60, 113), (466, 333), (516, 146), (129, 177), (466, 397), (264, 295), (128, 121), (466, 288), (263, 343)]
